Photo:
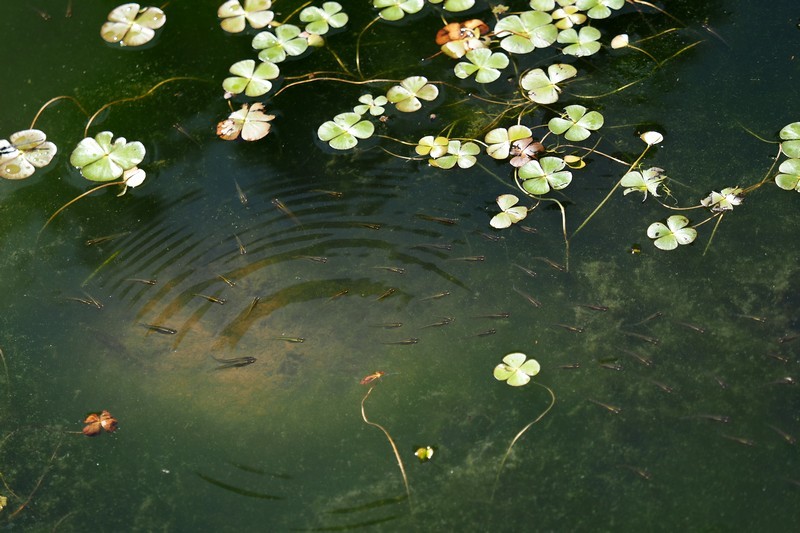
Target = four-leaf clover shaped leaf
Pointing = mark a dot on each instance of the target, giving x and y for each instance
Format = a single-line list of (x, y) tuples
[(485, 64), (515, 370), (458, 153), (27, 150), (522, 33), (251, 79), (397, 9), (599, 9), (343, 132), (373, 105), (255, 12), (321, 20), (583, 43), (130, 26), (724, 200), (500, 139), (509, 214), (543, 88), (542, 175), (101, 160), (576, 122), (251, 121), (644, 181), (406, 96), (674, 233), (434, 146), (275, 47), (567, 17), (791, 140), (454, 5)]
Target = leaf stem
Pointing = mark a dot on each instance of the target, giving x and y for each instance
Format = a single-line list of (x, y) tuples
[(90, 191)]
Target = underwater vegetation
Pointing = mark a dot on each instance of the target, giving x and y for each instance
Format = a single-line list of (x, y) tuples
[(405, 249)]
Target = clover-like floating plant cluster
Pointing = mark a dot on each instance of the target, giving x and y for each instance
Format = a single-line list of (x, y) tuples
[(132, 25)]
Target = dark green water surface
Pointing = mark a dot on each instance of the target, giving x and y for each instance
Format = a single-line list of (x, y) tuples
[(280, 444)]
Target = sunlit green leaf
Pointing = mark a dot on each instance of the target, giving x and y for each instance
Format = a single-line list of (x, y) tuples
[(509, 214), (538, 177), (251, 79), (343, 132), (397, 9), (484, 64), (458, 153), (522, 33), (515, 370), (791, 140), (130, 25), (433, 146), (644, 181), (373, 105), (500, 139), (275, 47), (321, 20), (576, 123), (406, 96), (583, 43), (235, 16), (27, 150), (789, 177), (543, 88), (599, 9), (674, 233), (100, 160), (725, 200)]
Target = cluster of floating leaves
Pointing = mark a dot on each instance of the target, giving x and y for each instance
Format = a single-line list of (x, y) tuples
[(23, 153)]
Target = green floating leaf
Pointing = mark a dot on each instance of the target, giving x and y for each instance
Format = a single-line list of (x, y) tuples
[(515, 370), (454, 6), (725, 200), (129, 25), (509, 214), (791, 137), (397, 9), (286, 41), (251, 79), (343, 132), (644, 181), (674, 233), (599, 9), (321, 20), (235, 16), (576, 123), (543, 88), (100, 160), (583, 43), (406, 96), (789, 177), (28, 150), (484, 64), (523, 33), (500, 139), (458, 153), (435, 147), (542, 175), (567, 17), (373, 105)]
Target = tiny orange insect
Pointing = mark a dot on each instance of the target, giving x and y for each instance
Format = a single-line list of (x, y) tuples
[(372, 377)]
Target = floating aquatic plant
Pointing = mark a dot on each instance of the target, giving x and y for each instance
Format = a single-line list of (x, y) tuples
[(599, 9), (424, 453), (789, 177), (526, 150), (725, 200), (646, 181), (458, 38), (26, 151), (576, 124), (250, 121), (538, 177), (580, 43), (509, 213), (100, 159), (321, 20), (343, 132), (130, 25), (406, 96), (791, 140), (286, 41), (543, 88), (485, 64), (521, 34), (674, 233), (250, 79), (651, 137), (235, 16), (516, 369), (458, 153), (435, 147), (568, 16), (396, 9), (500, 139), (454, 5), (371, 104)]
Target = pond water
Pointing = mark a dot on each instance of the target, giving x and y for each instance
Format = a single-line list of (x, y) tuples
[(673, 372)]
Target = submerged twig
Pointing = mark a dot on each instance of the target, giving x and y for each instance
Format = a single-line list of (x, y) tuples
[(391, 442)]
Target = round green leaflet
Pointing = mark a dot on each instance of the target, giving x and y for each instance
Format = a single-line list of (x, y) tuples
[(674, 233), (500, 139), (644, 181), (321, 20), (100, 160), (251, 79), (454, 5), (28, 150), (458, 153), (485, 64), (130, 26), (791, 140), (789, 177), (515, 370), (725, 200), (522, 33), (599, 9), (568, 17), (234, 16), (397, 9), (275, 47), (343, 132), (434, 146), (583, 43), (542, 175), (576, 123), (406, 96), (543, 88)]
